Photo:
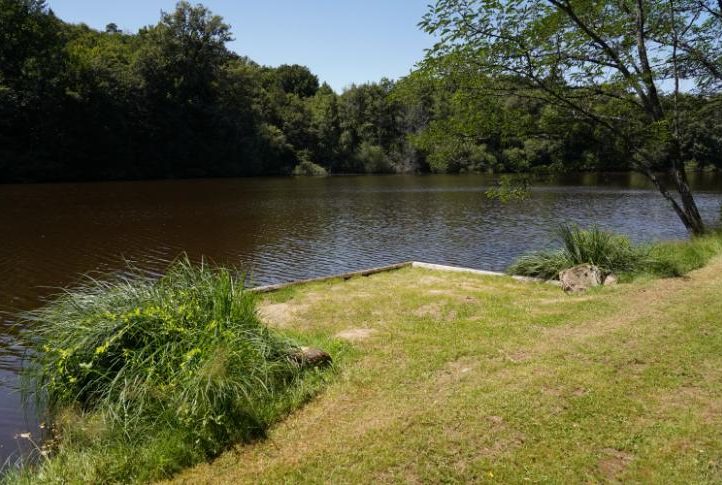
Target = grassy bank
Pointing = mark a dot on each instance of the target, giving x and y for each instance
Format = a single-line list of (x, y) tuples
[(140, 378), (465, 378), (443, 377)]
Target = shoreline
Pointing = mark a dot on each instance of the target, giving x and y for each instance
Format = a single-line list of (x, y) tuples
[(280, 176), (394, 267)]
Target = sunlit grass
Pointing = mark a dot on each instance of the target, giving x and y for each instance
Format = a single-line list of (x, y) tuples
[(680, 257), (463, 378)]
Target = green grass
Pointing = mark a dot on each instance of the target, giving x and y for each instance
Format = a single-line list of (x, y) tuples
[(614, 253), (679, 258), (461, 378), (141, 377)]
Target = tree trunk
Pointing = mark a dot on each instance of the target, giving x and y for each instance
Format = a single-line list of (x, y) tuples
[(693, 221), (687, 211)]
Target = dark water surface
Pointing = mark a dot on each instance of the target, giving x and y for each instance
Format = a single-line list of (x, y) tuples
[(282, 229)]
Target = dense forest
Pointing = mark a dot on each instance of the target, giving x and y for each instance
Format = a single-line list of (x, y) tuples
[(173, 101)]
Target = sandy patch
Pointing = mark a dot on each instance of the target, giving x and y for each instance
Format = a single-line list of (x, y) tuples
[(355, 334), (430, 310), (278, 314), (517, 356), (614, 463)]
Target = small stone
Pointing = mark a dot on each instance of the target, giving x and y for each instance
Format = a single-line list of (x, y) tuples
[(580, 278), (311, 357), (611, 280)]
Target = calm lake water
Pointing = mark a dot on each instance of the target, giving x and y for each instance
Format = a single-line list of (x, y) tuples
[(280, 229)]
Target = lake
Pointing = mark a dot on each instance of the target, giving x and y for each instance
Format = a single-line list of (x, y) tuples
[(280, 229)]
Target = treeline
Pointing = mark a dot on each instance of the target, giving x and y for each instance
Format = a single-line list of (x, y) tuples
[(173, 101)]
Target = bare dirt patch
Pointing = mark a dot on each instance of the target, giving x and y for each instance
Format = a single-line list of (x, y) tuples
[(613, 463), (431, 280), (275, 313), (497, 420), (355, 334), (453, 372), (565, 298), (288, 313), (279, 314), (518, 356), (430, 310)]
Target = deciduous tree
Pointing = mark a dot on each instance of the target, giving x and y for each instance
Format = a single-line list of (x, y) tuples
[(608, 63)]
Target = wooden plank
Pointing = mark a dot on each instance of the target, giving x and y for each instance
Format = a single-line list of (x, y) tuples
[(343, 276)]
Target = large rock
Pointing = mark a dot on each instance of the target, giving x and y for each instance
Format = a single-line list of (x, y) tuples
[(311, 357), (580, 278), (611, 280)]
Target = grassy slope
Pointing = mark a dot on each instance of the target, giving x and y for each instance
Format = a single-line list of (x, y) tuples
[(481, 378)]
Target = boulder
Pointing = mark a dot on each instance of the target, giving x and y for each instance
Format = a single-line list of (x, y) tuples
[(311, 357), (611, 279), (580, 278)]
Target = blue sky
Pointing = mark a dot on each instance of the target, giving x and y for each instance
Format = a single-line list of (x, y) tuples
[(342, 41)]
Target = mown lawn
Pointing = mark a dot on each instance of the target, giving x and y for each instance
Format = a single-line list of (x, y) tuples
[(452, 377)]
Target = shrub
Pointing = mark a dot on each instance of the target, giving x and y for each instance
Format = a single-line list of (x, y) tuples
[(309, 169), (306, 167), (373, 159), (141, 377)]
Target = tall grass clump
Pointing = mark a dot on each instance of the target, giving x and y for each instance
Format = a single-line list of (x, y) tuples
[(611, 253), (614, 253), (141, 377)]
